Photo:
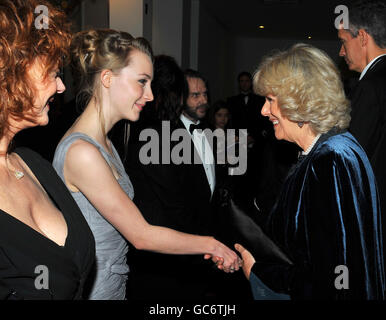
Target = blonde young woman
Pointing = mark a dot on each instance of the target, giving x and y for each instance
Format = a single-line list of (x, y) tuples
[(115, 73)]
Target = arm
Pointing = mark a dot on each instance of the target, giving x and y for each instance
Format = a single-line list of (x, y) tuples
[(259, 290), (157, 191), (86, 170)]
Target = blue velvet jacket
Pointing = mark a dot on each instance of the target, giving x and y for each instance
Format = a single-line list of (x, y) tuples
[(327, 215)]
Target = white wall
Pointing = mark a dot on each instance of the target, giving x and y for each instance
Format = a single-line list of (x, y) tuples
[(127, 15)]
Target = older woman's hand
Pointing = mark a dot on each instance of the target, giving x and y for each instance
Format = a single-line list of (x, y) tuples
[(248, 259)]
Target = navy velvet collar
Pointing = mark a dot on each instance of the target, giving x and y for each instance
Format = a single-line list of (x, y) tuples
[(333, 132)]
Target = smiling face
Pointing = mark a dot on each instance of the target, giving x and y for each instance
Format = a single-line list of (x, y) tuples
[(45, 89), (284, 129), (130, 89)]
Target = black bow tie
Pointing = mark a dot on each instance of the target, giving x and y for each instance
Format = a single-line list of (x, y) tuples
[(193, 127)]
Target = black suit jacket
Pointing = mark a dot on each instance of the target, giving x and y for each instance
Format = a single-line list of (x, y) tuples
[(176, 196), (368, 122), (171, 195)]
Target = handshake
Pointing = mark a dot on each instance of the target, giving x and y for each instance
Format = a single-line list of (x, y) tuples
[(233, 262), (245, 230)]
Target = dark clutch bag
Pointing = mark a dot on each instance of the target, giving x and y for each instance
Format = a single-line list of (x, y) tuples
[(247, 231)]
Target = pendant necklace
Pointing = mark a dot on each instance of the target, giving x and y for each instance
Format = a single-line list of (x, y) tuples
[(17, 173)]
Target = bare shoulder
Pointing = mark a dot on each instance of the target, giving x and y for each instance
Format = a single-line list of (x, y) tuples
[(82, 151), (84, 164)]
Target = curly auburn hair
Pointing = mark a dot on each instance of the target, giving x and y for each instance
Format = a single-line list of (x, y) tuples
[(21, 44)]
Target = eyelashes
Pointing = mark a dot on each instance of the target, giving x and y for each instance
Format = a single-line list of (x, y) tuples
[(143, 82), (57, 74)]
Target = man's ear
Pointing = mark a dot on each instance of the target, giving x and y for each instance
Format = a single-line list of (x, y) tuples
[(363, 37), (105, 76)]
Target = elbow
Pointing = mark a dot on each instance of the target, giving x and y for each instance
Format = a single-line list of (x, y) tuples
[(140, 244), (142, 240)]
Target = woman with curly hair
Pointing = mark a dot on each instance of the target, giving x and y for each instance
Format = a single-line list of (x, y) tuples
[(327, 218), (46, 246)]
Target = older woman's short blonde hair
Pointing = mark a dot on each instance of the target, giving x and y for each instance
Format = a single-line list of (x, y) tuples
[(307, 85)]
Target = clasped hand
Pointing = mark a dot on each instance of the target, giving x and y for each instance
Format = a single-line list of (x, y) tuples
[(228, 264)]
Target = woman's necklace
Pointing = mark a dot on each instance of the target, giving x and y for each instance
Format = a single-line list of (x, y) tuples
[(17, 173), (304, 153)]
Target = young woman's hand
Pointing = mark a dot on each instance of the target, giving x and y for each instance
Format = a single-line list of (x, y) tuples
[(224, 258)]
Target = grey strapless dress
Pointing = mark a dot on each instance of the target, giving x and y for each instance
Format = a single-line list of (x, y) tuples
[(111, 247)]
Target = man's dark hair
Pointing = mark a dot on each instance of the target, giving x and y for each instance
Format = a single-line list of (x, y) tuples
[(369, 15), (190, 73), (244, 73), (168, 87)]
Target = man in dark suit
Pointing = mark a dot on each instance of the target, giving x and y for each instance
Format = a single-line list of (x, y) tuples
[(194, 111), (219, 285), (245, 114), (364, 50), (245, 109)]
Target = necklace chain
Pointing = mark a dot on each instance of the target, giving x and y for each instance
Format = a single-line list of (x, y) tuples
[(17, 173)]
